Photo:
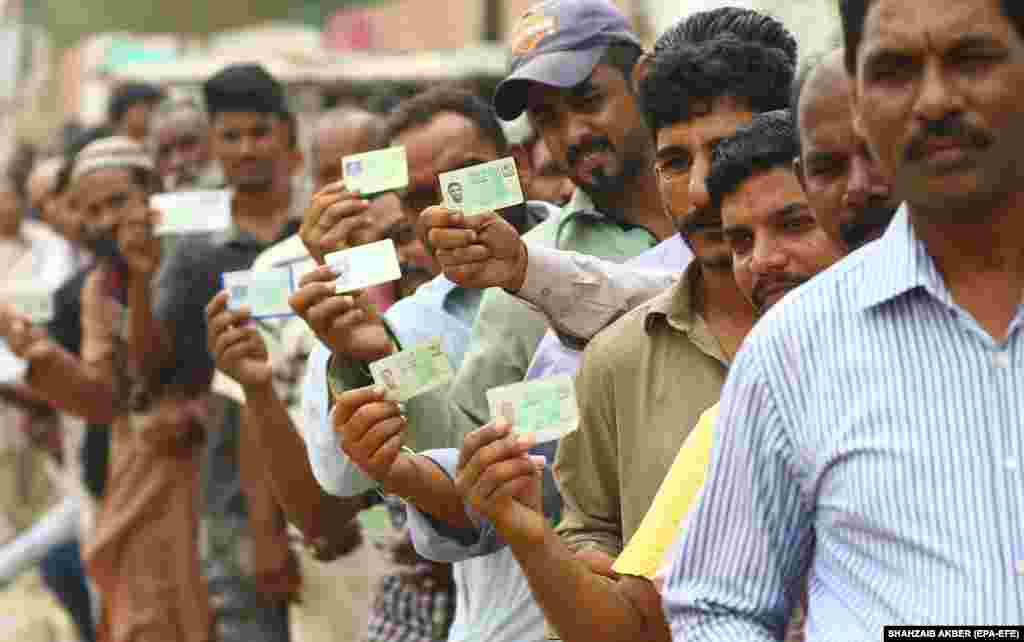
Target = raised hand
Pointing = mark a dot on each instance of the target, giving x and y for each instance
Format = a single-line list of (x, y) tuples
[(347, 324), (338, 219), (236, 345), (370, 430), (480, 251), (498, 477), (25, 340)]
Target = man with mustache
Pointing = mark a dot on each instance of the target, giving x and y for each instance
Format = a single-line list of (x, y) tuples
[(254, 137), (441, 129), (847, 419), (851, 199), (142, 553), (685, 344), (180, 140)]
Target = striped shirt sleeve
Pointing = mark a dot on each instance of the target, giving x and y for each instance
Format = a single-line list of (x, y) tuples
[(738, 569)]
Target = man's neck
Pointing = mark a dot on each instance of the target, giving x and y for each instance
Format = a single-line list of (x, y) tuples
[(726, 311), (639, 203), (262, 214), (982, 262)]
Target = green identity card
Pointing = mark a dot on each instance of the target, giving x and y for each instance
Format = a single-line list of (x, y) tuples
[(546, 407), (266, 292), (365, 266), (374, 172), (412, 372), (192, 211), (487, 187)]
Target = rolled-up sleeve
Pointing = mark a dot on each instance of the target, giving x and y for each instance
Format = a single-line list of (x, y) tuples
[(334, 471), (736, 572), (581, 295), (440, 542)]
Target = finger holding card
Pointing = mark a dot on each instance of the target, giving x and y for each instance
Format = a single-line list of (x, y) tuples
[(500, 480), (370, 431), (238, 349), (315, 224), (497, 258)]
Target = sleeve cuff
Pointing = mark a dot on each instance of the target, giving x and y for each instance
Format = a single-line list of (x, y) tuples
[(549, 283)]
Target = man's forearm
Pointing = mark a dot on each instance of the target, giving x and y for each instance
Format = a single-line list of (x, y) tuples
[(71, 387), (148, 337), (22, 395), (424, 484), (317, 514), (581, 605)]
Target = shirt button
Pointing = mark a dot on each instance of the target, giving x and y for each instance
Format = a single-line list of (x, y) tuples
[(1001, 360), (1019, 567), (546, 292)]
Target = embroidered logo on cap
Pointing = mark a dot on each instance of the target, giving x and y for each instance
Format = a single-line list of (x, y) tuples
[(533, 27)]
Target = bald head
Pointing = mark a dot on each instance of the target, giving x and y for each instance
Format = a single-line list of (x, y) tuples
[(850, 199), (180, 139), (337, 133), (826, 86)]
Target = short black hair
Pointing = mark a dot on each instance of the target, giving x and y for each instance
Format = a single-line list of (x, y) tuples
[(130, 94), (744, 24), (757, 75), (766, 142), (423, 107), (853, 13), (76, 145)]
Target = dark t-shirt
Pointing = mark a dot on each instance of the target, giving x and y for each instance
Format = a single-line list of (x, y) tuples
[(187, 282)]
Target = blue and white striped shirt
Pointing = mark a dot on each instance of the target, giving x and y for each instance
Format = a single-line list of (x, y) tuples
[(871, 433)]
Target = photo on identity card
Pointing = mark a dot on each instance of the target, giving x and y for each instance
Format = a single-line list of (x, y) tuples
[(412, 372)]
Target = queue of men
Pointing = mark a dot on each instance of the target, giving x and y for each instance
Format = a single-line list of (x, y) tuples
[(790, 301)]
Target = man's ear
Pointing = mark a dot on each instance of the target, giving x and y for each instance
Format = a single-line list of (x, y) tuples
[(524, 164), (640, 70)]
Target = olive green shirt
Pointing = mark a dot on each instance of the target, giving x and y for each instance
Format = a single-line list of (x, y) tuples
[(643, 384)]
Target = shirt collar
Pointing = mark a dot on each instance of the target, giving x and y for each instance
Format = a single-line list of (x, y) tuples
[(899, 263), (296, 208), (678, 308), (437, 290)]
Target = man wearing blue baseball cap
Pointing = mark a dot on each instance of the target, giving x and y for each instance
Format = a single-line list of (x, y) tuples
[(572, 62)]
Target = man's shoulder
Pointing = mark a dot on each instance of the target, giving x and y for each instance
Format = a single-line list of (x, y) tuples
[(544, 232), (619, 343)]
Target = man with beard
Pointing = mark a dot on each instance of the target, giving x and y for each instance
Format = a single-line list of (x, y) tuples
[(852, 203), (498, 480), (249, 564), (862, 384), (335, 598), (442, 130), (851, 199), (141, 554), (180, 140)]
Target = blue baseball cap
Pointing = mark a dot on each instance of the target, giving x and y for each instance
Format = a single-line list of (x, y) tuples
[(557, 43)]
